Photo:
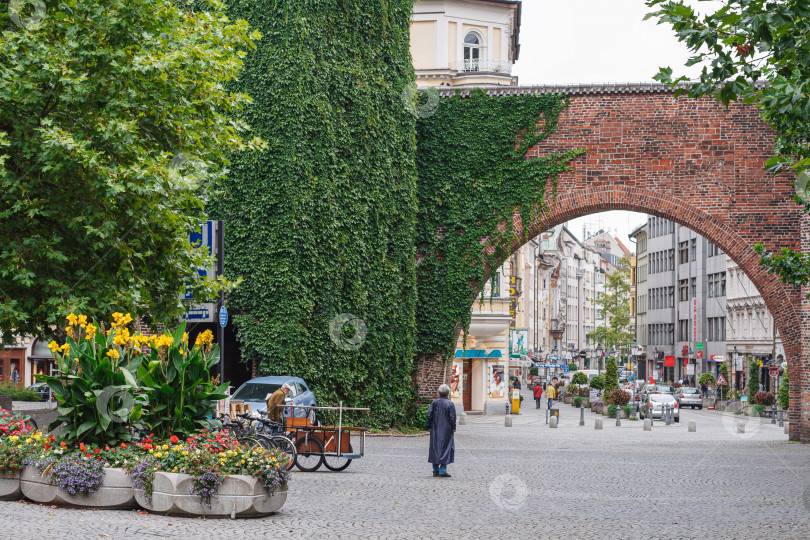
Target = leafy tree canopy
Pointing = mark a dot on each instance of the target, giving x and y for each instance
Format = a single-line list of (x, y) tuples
[(115, 121), (743, 44), (615, 304)]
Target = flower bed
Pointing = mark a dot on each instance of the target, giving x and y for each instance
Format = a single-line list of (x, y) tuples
[(236, 496), (114, 489)]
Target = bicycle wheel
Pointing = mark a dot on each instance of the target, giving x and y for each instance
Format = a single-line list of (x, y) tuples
[(337, 463), (309, 453), (250, 442), (280, 442)]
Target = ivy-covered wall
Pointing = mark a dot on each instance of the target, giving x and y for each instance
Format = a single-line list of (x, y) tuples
[(322, 226), (473, 175), (322, 223)]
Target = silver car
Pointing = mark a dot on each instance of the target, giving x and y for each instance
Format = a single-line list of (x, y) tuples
[(653, 406), (689, 397)]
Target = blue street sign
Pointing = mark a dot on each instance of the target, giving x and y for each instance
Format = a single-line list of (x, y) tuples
[(565, 369), (223, 317), (553, 358)]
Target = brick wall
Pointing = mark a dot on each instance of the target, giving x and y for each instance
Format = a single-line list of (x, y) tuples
[(698, 164)]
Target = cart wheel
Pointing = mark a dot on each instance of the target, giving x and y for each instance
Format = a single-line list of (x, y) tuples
[(313, 421), (284, 444), (337, 463), (310, 453)]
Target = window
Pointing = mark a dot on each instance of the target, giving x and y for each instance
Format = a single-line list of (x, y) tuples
[(683, 252), (671, 259), (472, 52), (694, 287), (717, 328), (683, 290), (717, 284), (671, 297), (683, 330), (694, 249), (714, 250)]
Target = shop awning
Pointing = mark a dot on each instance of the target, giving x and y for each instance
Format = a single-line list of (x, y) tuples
[(496, 353)]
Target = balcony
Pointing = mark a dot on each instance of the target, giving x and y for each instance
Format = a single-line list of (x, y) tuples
[(485, 66)]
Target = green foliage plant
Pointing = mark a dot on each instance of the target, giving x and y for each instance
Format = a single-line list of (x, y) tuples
[(534, 371), (611, 375), (615, 303), (116, 123), (706, 379), (784, 391), (579, 378), (578, 401), (757, 409), (475, 174), (753, 378), (18, 392), (95, 387), (572, 367), (597, 382), (321, 224)]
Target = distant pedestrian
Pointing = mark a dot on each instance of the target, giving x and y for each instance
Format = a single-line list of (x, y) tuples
[(441, 418), (516, 385), (538, 394), (551, 393)]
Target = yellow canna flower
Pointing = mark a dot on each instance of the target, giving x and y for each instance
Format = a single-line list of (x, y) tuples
[(90, 331), (71, 318), (113, 353), (82, 320), (53, 346), (65, 348)]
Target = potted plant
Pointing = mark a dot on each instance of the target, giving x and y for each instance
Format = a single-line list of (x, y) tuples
[(210, 475), (17, 444)]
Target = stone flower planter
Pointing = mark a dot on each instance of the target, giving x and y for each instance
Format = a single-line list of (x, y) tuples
[(10, 486), (115, 492), (239, 495)]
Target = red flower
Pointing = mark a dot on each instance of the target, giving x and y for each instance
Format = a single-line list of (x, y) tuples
[(174, 439), (97, 450), (47, 446), (123, 445), (81, 447), (107, 448)]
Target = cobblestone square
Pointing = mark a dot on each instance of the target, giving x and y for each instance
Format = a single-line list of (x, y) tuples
[(527, 481)]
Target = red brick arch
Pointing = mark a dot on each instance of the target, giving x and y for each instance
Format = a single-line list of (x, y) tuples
[(696, 163)]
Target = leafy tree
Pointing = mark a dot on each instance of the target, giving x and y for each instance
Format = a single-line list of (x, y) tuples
[(579, 378), (753, 378), (784, 392), (572, 367), (597, 382), (615, 304), (706, 379), (611, 375), (742, 44), (115, 121)]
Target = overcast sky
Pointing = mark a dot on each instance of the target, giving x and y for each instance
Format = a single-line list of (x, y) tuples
[(590, 41)]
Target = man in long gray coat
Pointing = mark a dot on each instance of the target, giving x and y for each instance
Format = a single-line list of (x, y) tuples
[(441, 417)]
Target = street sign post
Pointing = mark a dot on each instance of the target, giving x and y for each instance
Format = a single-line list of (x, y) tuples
[(721, 381)]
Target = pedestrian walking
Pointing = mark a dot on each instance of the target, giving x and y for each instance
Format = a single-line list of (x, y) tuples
[(538, 394), (441, 418), (551, 393)]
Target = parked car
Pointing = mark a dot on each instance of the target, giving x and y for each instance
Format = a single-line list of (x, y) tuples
[(256, 391), (689, 397), (43, 390), (653, 406)]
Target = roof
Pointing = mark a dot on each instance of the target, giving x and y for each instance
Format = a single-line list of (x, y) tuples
[(622, 246), (276, 379), (638, 230), (573, 89)]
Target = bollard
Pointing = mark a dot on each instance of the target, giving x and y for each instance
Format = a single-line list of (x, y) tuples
[(462, 419), (618, 416), (665, 412), (781, 418), (773, 414), (740, 427), (787, 429), (546, 416), (507, 421), (648, 424), (553, 422), (692, 426), (597, 424), (581, 414)]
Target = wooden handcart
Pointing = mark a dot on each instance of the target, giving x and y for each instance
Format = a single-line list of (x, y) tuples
[(328, 445)]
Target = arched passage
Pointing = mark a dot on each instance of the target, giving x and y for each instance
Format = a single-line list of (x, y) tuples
[(692, 162)]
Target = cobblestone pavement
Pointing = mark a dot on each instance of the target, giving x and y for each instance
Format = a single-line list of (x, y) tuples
[(527, 481)]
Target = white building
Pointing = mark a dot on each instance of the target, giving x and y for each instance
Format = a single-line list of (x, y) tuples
[(465, 43)]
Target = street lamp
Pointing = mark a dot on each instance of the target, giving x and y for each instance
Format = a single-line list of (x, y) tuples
[(734, 381)]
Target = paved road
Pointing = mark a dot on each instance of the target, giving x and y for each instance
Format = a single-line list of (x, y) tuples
[(527, 481)]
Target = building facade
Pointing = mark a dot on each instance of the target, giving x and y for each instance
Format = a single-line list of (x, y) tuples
[(465, 43)]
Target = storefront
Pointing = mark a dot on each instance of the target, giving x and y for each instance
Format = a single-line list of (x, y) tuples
[(12, 365), (40, 361), (478, 381)]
